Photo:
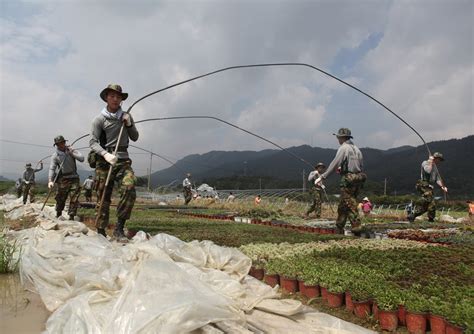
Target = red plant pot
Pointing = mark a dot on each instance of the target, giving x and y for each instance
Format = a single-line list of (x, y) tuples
[(311, 291), (437, 324), (256, 272), (272, 280), (375, 311), (349, 303), (131, 233), (388, 320), (453, 329), (335, 300), (289, 284), (324, 293), (301, 286), (402, 315), (416, 322), (362, 309)]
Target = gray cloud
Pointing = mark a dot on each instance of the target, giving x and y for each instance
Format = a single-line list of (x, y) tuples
[(55, 63)]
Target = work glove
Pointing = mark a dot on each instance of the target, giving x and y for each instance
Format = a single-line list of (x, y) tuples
[(445, 189), (323, 186), (431, 158), (50, 184), (127, 119), (319, 179), (110, 158)]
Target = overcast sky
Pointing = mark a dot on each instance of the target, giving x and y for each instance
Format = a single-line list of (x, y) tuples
[(416, 57)]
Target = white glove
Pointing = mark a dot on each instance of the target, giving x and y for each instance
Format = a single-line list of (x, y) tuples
[(50, 184), (319, 179), (431, 158), (110, 158), (445, 189), (323, 186), (127, 119)]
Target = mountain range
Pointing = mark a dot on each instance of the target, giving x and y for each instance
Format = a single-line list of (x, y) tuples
[(400, 167)]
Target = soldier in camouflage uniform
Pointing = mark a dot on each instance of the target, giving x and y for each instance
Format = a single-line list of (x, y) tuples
[(88, 186), (29, 182), (63, 161), (104, 137), (19, 187), (187, 189), (316, 190), (349, 162), (429, 175)]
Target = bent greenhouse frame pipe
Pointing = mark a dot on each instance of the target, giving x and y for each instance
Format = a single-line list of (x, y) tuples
[(251, 66)]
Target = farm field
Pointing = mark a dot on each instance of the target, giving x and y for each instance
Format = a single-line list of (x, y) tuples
[(393, 266)]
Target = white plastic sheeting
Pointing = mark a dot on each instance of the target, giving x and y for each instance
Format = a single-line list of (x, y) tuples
[(156, 285)]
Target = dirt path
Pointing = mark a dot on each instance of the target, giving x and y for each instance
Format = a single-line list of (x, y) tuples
[(21, 311)]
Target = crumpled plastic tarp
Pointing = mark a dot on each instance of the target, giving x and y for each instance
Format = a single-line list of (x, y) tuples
[(151, 285)]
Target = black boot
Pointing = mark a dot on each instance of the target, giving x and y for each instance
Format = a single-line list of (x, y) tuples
[(411, 217), (118, 232), (71, 217), (58, 214), (102, 232)]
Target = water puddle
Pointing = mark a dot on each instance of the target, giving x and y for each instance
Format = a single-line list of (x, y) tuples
[(21, 311)]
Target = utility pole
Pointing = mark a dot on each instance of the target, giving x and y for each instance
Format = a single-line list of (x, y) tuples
[(385, 187), (304, 181), (149, 171)]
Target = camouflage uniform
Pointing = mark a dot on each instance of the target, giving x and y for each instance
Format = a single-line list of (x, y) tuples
[(426, 203), (349, 162), (29, 182), (350, 185), (316, 191), (425, 188), (19, 188), (67, 187), (108, 141), (317, 196), (122, 172), (187, 190)]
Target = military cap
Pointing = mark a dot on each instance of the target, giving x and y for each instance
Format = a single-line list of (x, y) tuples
[(58, 139), (343, 132), (320, 164), (28, 165), (438, 155), (115, 88)]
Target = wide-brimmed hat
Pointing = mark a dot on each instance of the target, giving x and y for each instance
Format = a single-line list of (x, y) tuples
[(343, 132), (28, 165), (115, 88), (438, 155), (365, 199), (59, 139), (320, 164), (188, 174)]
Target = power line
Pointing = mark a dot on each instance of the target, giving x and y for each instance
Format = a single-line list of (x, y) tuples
[(28, 144)]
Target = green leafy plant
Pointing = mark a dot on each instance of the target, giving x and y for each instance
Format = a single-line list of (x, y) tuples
[(9, 257)]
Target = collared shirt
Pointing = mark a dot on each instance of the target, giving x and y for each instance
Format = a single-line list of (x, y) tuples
[(430, 174), (66, 162), (111, 124), (88, 183), (29, 173), (348, 157)]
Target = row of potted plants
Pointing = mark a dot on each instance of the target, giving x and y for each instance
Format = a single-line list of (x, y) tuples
[(261, 253), (360, 286)]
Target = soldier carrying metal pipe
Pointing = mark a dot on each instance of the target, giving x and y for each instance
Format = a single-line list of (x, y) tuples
[(105, 133), (349, 162), (64, 161)]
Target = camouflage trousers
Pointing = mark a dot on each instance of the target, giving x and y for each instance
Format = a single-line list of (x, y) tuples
[(123, 174), (188, 195), (350, 185), (317, 196), (19, 192), (427, 202), (88, 194), (28, 189), (71, 188)]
